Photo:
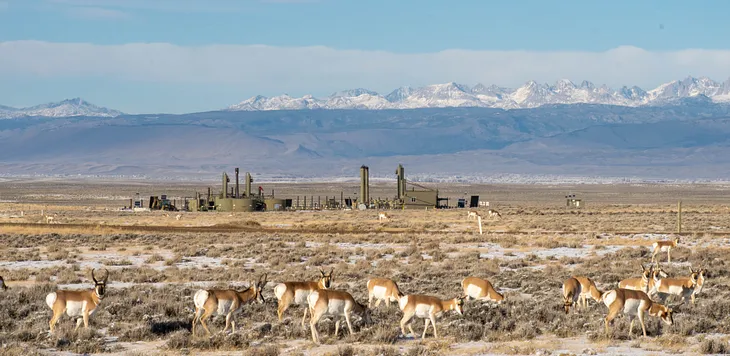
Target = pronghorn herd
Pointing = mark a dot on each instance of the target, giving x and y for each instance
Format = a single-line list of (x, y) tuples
[(634, 297)]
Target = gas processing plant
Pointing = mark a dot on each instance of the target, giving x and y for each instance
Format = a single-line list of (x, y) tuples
[(408, 195)]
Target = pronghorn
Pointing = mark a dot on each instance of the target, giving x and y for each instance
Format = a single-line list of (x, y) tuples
[(77, 303), (2, 284), (657, 274), (494, 214), (700, 283), (382, 289), (383, 216), (681, 286), (588, 289), (472, 214), (428, 308), (225, 302), (571, 293), (638, 283), (482, 289), (634, 303), (336, 303), (178, 216), (666, 245), (288, 293)]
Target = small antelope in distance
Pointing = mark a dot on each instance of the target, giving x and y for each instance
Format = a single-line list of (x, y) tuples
[(571, 293), (2, 284), (666, 245), (634, 303), (336, 303), (587, 289), (494, 214), (383, 216), (481, 289), (225, 302), (638, 283), (681, 286), (288, 293), (382, 289), (428, 308), (77, 303), (472, 214)]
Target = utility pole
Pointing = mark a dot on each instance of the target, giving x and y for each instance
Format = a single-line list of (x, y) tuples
[(679, 217)]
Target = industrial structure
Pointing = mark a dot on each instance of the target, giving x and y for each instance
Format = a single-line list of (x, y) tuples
[(413, 198), (573, 202)]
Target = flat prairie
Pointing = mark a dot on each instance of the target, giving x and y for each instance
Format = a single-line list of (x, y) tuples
[(157, 261)]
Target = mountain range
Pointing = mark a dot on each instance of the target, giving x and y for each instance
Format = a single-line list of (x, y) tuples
[(530, 95)]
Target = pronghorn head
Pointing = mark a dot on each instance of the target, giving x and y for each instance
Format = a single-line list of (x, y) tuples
[(659, 272), (2, 284), (100, 286), (459, 304), (646, 272), (325, 279), (258, 288), (663, 312), (702, 273)]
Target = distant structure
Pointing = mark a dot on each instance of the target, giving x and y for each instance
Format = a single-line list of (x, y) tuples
[(572, 202), (422, 198)]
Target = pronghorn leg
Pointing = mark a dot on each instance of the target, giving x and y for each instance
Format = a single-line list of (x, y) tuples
[(433, 323), (669, 256), (403, 321), (337, 327), (233, 326), (410, 328), (631, 326), (54, 320), (205, 317), (613, 311), (306, 310), (387, 302), (370, 300), (78, 323), (284, 304), (377, 302), (641, 320), (425, 328), (228, 322), (313, 325), (196, 318), (349, 325)]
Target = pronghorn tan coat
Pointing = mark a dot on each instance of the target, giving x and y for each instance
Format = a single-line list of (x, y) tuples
[(336, 303), (667, 245), (382, 289), (588, 289), (633, 303), (226, 302), (428, 308), (683, 287), (482, 289), (76, 303), (571, 293), (638, 283), (288, 293)]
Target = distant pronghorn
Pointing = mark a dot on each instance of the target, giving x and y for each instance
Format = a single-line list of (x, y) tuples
[(2, 284), (382, 289), (225, 302), (472, 214), (288, 293), (337, 303), (482, 289), (666, 245), (178, 216), (588, 289), (428, 308), (383, 216), (494, 214), (571, 293), (77, 303), (634, 303)]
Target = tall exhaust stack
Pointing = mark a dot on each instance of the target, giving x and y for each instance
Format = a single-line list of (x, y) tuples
[(401, 182), (249, 180), (224, 188), (237, 196), (364, 184)]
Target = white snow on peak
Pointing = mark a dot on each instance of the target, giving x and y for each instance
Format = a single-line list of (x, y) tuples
[(65, 108)]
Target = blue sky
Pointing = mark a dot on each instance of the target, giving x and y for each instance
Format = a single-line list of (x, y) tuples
[(192, 55)]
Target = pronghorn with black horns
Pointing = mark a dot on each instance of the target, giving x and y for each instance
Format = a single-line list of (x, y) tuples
[(481, 289), (337, 303), (382, 289), (428, 308), (634, 303), (639, 283), (226, 302), (288, 293), (77, 303)]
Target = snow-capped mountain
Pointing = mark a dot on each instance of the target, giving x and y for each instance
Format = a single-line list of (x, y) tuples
[(66, 108), (530, 95)]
